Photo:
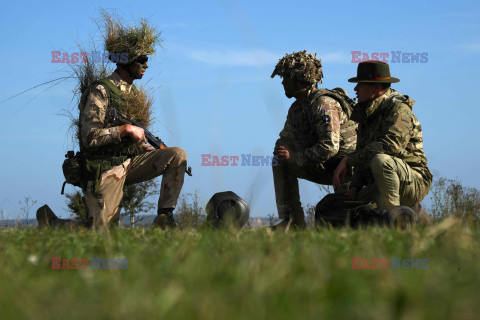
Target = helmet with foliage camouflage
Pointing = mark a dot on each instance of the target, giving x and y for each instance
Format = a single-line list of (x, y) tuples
[(227, 208), (302, 66), (134, 41)]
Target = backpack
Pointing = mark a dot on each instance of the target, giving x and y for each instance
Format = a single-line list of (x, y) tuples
[(338, 210), (339, 95)]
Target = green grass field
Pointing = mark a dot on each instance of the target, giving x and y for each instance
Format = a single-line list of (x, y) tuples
[(246, 274)]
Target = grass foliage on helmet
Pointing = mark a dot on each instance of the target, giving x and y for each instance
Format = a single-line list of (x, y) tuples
[(136, 40), (302, 66)]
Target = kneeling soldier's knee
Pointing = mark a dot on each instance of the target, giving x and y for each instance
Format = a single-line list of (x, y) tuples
[(381, 163), (179, 155)]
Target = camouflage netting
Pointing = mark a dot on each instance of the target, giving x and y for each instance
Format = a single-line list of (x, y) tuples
[(138, 104), (303, 66), (135, 40)]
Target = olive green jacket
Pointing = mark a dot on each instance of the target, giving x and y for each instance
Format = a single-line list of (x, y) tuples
[(387, 125)]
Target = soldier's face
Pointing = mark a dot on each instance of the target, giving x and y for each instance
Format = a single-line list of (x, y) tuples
[(367, 91), (290, 86), (138, 67)]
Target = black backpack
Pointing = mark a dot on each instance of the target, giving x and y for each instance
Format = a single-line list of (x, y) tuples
[(338, 210)]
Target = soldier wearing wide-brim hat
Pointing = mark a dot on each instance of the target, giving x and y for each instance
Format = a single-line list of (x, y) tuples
[(316, 135), (373, 72), (390, 165)]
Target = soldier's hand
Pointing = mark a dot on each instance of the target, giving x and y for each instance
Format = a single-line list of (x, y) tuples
[(352, 193), (137, 134), (340, 173), (284, 153)]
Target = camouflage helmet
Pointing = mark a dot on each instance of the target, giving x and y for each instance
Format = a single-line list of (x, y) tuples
[(133, 40), (302, 66), (227, 208)]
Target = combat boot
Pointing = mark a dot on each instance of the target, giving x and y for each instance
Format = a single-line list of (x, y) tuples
[(402, 217), (164, 219), (424, 218), (293, 221), (47, 219)]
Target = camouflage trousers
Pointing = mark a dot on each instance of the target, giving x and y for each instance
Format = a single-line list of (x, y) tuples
[(285, 180), (103, 206), (395, 183)]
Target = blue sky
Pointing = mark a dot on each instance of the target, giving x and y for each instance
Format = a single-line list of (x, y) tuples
[(212, 87)]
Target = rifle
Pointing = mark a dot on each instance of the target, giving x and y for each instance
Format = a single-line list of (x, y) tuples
[(154, 141)]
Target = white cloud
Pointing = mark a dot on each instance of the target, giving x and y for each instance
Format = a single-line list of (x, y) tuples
[(250, 58)]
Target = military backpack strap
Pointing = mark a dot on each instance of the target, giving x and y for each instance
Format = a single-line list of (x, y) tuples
[(112, 90), (109, 88), (108, 84), (339, 95), (135, 89), (63, 187), (348, 131)]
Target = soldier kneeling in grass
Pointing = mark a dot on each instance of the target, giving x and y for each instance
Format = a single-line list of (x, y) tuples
[(114, 154), (390, 165), (317, 134)]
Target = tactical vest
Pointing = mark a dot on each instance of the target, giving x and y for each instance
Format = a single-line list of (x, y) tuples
[(101, 159), (348, 130)]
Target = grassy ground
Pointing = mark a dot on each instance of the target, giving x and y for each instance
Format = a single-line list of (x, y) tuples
[(248, 274)]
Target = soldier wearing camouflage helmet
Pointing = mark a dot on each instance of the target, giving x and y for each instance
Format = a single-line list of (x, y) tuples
[(390, 165), (316, 136), (117, 154)]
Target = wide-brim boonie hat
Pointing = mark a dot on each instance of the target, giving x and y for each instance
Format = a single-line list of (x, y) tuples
[(373, 71)]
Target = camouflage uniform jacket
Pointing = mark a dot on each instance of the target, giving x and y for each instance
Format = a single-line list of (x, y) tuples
[(101, 144), (387, 125), (96, 131), (318, 129)]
